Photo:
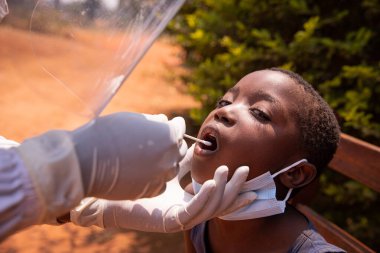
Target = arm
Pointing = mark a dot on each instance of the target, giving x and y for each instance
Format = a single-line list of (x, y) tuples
[(19, 206), (172, 211), (123, 155)]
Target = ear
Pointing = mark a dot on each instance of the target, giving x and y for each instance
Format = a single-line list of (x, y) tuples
[(299, 175)]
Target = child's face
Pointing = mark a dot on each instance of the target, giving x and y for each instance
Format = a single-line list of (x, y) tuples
[(253, 124)]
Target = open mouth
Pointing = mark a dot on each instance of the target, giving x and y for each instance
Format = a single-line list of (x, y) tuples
[(211, 135), (212, 139)]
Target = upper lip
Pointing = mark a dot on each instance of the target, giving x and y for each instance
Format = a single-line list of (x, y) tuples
[(210, 130)]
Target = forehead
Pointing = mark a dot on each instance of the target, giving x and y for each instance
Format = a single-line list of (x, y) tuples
[(271, 85), (268, 81)]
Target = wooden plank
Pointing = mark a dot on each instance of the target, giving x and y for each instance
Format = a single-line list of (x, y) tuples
[(358, 160), (334, 234)]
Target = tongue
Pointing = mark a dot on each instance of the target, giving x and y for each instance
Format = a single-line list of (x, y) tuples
[(213, 145)]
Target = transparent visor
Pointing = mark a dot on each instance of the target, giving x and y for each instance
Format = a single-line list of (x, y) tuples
[(90, 46), (3, 9)]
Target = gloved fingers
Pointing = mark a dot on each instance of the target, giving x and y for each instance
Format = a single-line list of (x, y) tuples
[(185, 163), (241, 201), (189, 212), (179, 127), (183, 148), (220, 177), (89, 212), (234, 186), (176, 170), (156, 117), (210, 209)]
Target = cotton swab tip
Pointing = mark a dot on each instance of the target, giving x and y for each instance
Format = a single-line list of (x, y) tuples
[(207, 143)]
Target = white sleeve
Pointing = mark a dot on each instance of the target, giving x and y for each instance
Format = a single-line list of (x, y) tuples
[(52, 165), (19, 206), (39, 181)]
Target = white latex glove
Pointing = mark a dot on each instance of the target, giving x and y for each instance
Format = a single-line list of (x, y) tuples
[(119, 156), (172, 211), (129, 155), (3, 9)]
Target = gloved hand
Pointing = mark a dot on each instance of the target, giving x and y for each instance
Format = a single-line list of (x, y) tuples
[(119, 156), (172, 211), (129, 155)]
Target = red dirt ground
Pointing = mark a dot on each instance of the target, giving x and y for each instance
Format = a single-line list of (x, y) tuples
[(153, 87)]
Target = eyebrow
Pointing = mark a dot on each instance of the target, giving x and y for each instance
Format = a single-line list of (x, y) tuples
[(262, 95), (234, 90), (258, 95)]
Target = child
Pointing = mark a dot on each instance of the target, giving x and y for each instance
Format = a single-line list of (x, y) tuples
[(270, 120)]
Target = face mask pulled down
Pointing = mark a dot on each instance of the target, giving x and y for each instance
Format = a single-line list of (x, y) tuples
[(266, 203)]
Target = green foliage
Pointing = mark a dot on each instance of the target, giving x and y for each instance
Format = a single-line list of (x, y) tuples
[(355, 207), (333, 44)]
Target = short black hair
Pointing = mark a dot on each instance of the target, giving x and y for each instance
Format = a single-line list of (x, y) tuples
[(320, 131)]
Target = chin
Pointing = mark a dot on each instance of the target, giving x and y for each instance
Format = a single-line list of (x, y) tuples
[(203, 169)]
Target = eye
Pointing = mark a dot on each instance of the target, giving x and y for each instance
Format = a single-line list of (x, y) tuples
[(222, 103), (260, 115)]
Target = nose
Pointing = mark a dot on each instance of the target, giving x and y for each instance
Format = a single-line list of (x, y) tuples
[(226, 115)]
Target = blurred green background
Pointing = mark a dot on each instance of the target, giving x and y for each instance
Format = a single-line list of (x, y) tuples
[(334, 45)]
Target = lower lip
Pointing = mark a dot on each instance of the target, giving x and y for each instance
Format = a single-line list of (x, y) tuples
[(203, 152)]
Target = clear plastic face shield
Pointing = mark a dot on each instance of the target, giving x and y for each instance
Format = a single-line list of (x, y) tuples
[(85, 49), (3, 9)]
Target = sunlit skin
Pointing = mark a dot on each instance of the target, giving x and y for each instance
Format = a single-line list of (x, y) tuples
[(254, 125)]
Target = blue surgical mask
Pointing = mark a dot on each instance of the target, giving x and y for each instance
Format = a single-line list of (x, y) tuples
[(266, 203)]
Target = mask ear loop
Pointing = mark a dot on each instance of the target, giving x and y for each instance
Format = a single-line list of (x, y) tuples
[(288, 195), (285, 169)]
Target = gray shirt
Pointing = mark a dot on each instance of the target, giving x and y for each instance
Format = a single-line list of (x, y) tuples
[(309, 241)]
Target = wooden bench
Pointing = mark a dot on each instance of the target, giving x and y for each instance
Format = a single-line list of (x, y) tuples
[(359, 161)]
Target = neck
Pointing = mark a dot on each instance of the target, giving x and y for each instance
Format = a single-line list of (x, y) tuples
[(267, 234)]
